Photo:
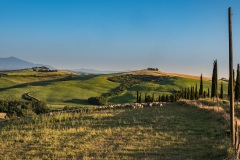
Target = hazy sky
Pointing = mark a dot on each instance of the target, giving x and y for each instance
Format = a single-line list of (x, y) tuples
[(183, 36)]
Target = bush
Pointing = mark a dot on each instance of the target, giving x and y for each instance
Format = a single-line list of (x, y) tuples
[(97, 100), (40, 107)]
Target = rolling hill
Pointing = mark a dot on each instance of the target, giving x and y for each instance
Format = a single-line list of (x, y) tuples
[(66, 88)]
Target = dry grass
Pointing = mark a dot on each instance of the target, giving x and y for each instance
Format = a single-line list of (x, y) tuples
[(170, 132), (159, 73), (2, 115)]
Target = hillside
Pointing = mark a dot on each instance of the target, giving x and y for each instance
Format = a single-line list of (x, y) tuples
[(160, 73), (66, 88)]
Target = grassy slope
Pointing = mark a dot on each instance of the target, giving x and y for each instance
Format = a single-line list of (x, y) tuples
[(167, 86), (54, 90), (48, 87), (168, 132)]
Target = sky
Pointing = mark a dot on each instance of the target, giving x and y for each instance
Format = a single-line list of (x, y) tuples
[(175, 36)]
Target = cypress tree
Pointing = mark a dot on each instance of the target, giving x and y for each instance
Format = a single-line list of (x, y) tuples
[(145, 100), (185, 93), (214, 80), (221, 91), (237, 86), (204, 94), (191, 93), (201, 87), (208, 94), (196, 92), (159, 98), (163, 98), (137, 97), (140, 98), (167, 98)]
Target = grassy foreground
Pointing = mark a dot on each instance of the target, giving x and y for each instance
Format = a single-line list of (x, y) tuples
[(171, 132)]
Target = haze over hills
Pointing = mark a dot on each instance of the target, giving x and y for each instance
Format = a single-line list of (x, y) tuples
[(94, 71), (13, 63)]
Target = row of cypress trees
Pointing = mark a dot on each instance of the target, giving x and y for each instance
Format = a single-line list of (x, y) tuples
[(193, 92)]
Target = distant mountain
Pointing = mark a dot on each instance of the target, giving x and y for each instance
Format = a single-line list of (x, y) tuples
[(13, 63), (93, 71)]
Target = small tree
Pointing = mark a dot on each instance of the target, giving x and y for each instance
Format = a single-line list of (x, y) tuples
[(167, 98), (137, 97), (140, 98), (208, 94), (214, 80), (148, 99), (201, 87), (163, 99), (237, 86), (196, 92)]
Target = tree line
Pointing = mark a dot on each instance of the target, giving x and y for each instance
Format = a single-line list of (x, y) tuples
[(193, 93)]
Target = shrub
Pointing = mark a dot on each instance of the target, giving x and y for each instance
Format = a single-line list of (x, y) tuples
[(97, 100), (40, 107)]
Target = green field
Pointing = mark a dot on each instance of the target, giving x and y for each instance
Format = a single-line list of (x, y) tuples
[(65, 88), (171, 132)]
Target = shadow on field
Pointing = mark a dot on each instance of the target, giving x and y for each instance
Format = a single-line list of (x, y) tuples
[(48, 82), (77, 101), (126, 97)]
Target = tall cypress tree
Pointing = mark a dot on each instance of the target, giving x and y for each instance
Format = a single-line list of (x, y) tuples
[(201, 87), (137, 97), (204, 94), (140, 98), (196, 92), (237, 86), (214, 80), (208, 94)]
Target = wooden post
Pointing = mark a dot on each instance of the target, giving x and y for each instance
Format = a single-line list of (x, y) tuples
[(232, 128)]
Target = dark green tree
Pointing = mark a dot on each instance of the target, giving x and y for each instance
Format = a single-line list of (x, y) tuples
[(153, 97), (201, 87), (172, 98), (140, 98), (167, 98), (137, 97), (185, 93), (145, 99), (208, 93), (237, 86), (214, 92), (196, 92), (163, 99), (148, 99), (188, 93), (204, 94)]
